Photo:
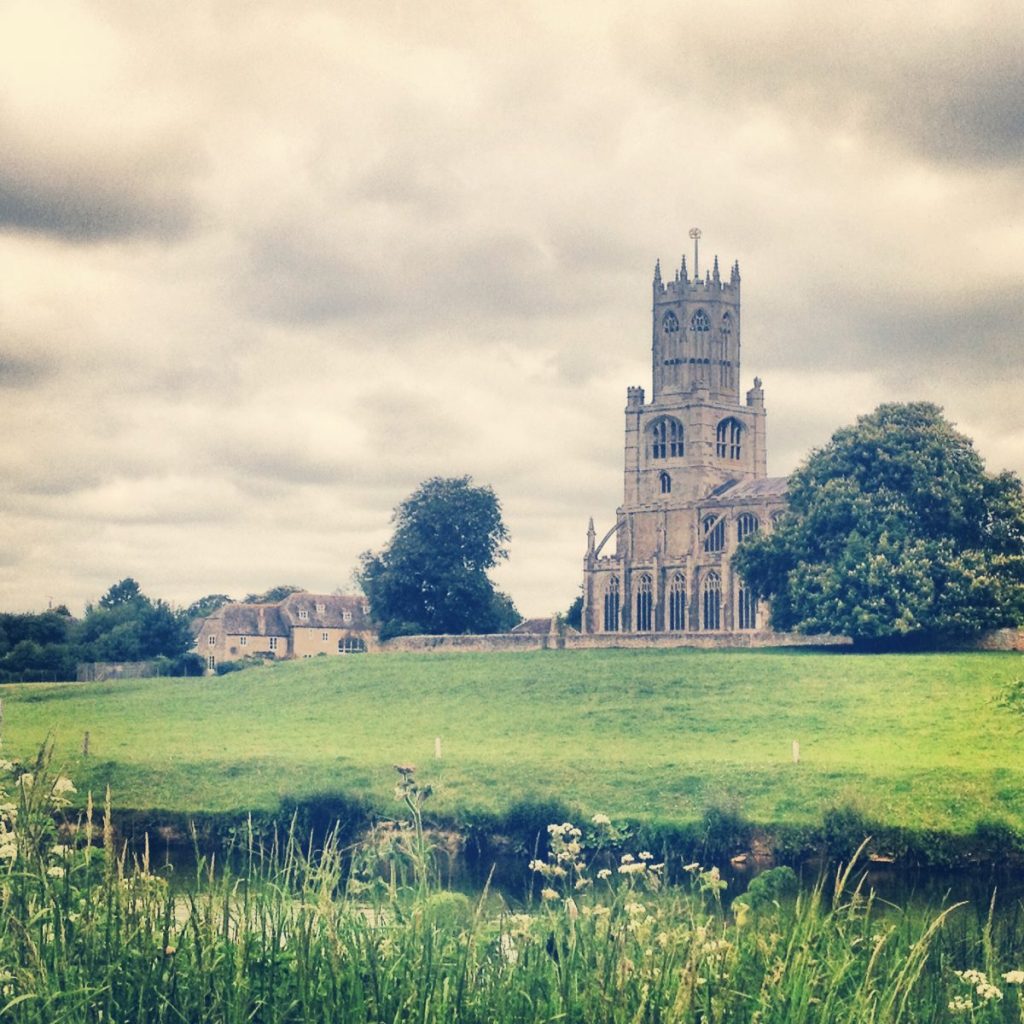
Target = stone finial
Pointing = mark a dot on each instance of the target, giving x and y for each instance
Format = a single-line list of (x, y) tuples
[(735, 278), (591, 537), (714, 273), (683, 275), (657, 273)]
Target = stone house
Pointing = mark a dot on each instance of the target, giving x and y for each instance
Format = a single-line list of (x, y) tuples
[(300, 626), (696, 478)]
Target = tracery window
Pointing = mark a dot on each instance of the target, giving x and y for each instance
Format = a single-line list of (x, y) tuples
[(711, 593), (747, 608), (714, 533), (611, 606), (670, 323), (746, 524), (667, 439), (644, 604), (666, 483), (699, 321), (728, 438), (677, 602)]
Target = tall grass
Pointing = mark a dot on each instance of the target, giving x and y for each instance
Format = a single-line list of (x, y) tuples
[(292, 934)]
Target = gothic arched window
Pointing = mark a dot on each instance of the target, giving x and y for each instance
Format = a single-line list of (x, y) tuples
[(726, 328), (746, 524), (728, 438), (677, 602), (670, 323), (699, 321), (747, 608), (666, 483), (644, 605), (611, 605), (666, 439), (714, 533), (711, 594)]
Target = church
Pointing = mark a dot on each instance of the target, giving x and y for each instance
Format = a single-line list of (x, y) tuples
[(696, 478)]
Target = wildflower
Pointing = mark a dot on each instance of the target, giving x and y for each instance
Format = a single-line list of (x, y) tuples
[(635, 909), (60, 851), (571, 908), (960, 1004), (581, 883), (601, 819), (548, 894), (170, 950), (632, 869), (627, 858), (604, 873), (692, 868), (9, 851), (25, 780), (7, 766), (63, 785), (645, 855), (538, 865), (55, 871), (1014, 977)]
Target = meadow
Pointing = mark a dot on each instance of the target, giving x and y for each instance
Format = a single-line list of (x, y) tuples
[(919, 742)]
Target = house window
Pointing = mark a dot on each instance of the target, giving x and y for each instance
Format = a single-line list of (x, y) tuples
[(728, 439), (666, 483), (747, 608), (346, 616), (700, 321), (677, 602), (644, 605), (611, 606), (325, 636), (714, 533), (211, 639), (303, 614), (273, 643), (746, 524), (351, 645), (211, 662), (712, 595), (243, 641)]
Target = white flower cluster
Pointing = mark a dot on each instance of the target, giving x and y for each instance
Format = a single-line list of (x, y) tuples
[(1014, 977), (985, 990)]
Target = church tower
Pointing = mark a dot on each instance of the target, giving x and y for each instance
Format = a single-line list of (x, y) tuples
[(695, 469)]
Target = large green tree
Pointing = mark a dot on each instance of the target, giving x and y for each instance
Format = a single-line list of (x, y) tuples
[(432, 576), (894, 534)]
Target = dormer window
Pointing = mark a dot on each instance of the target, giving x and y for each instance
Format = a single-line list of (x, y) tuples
[(303, 614), (320, 608), (346, 616)]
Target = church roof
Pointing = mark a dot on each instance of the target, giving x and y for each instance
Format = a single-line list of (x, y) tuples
[(766, 487)]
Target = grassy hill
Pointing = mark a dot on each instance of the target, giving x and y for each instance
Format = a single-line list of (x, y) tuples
[(914, 741)]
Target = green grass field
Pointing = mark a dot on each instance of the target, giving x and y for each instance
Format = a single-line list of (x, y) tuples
[(909, 740)]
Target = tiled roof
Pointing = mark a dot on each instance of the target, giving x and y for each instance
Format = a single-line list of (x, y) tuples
[(322, 611)]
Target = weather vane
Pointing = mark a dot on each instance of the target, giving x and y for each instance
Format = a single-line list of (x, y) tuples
[(695, 235)]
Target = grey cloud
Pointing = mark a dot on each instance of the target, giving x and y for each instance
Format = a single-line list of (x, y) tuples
[(951, 89), (97, 196), (21, 372)]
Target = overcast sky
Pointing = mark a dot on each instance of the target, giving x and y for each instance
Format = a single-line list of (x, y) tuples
[(264, 267)]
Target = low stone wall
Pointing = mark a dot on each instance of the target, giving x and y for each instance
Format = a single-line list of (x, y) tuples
[(597, 641)]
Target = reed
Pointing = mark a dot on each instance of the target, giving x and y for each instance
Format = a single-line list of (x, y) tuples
[(293, 933)]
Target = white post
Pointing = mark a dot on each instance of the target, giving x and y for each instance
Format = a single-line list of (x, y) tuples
[(796, 751), (437, 746)]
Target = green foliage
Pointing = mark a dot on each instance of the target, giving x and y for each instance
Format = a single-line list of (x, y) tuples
[(271, 596), (574, 616), (432, 576), (281, 935), (206, 606), (770, 888), (894, 533), (128, 626)]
